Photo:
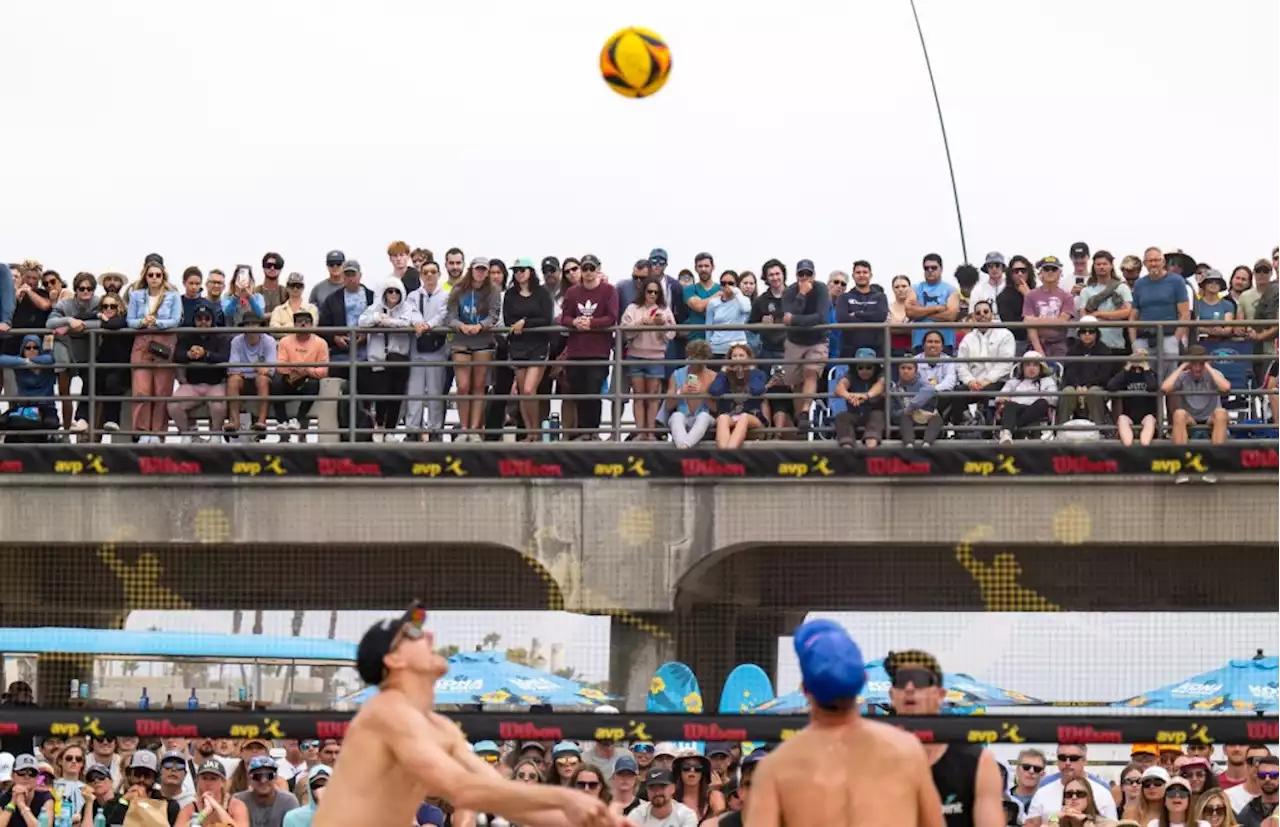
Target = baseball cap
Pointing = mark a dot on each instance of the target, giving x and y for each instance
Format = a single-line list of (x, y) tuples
[(1048, 261), (1262, 266), (174, 754), (550, 263), (1089, 322), (100, 770), (522, 262), (202, 309), (154, 258), (334, 257), (831, 664), (1178, 781), (658, 776), (865, 354), (665, 748), (377, 642), (212, 767), (484, 746), (993, 258), (755, 757), (6, 766), (625, 763), (590, 258), (142, 759), (317, 771), (566, 748), (351, 266), (1156, 772), (528, 745), (1196, 762), (295, 278), (1079, 250), (718, 748), (262, 762), (659, 254), (805, 266), (479, 261), (259, 741), (1144, 749), (914, 657)]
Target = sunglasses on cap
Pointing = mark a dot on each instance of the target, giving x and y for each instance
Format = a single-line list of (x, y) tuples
[(647, 748), (489, 757)]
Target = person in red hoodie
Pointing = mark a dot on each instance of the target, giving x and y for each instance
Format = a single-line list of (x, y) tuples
[(589, 310)]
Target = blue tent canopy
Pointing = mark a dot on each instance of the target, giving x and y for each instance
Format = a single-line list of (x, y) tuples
[(1239, 686), (964, 694), (489, 678), (172, 645)]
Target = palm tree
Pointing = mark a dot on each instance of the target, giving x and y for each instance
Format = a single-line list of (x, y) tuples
[(491, 640)]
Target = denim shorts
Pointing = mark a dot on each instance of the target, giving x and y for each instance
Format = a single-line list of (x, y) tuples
[(647, 371)]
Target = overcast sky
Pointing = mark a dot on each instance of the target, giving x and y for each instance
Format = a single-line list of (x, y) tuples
[(212, 134)]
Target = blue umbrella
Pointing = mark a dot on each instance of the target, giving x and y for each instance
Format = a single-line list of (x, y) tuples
[(1240, 686), (489, 678), (964, 694)]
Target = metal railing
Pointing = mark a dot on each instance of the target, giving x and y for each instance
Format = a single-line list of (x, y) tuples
[(355, 372)]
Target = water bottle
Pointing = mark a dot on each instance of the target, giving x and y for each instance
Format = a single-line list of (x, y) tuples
[(75, 688), (193, 702), (84, 690), (553, 428), (144, 702), (243, 694), (168, 701)]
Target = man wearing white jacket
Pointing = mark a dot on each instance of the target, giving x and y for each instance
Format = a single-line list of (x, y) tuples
[(981, 342), (429, 359)]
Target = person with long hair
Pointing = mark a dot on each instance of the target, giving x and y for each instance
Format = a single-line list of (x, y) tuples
[(693, 777), (648, 309), (741, 407), (1214, 809), (72, 793), (688, 414), (565, 757), (1176, 811), (1241, 281), (155, 306), (1150, 805), (214, 802), (1019, 280), (528, 304), (900, 337), (1128, 793), (472, 311), (587, 778), (1078, 806), (527, 771)]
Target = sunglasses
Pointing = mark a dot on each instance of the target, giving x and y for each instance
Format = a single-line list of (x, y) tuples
[(572, 269), (1033, 768), (588, 268), (1215, 810), (526, 776), (1177, 792), (1192, 775), (95, 777), (51, 283), (642, 748), (1135, 780), (1075, 794), (85, 288), (920, 678), (294, 286), (174, 765), (587, 785), (262, 776), (1049, 268), (691, 768), (30, 347), (1020, 270), (838, 283), (155, 275), (1070, 759), (108, 307), (564, 760), (1269, 775), (413, 621), (310, 745), (1152, 782), (25, 773), (728, 283), (73, 759), (929, 268), (270, 265)]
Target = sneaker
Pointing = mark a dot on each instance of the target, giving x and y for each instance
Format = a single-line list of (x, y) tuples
[(1209, 478), (293, 425), (111, 427), (1006, 437), (377, 436), (1181, 479), (846, 443), (803, 425), (79, 426)]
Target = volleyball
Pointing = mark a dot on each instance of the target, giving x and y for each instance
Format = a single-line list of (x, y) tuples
[(635, 62)]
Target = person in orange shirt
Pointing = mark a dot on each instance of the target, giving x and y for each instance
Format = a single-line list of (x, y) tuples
[(300, 348)]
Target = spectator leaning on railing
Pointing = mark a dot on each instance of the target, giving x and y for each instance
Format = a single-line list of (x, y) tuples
[(805, 305)]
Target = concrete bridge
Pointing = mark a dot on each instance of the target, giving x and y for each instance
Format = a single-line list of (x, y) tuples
[(709, 572)]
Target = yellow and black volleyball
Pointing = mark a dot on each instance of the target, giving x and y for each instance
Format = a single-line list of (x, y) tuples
[(635, 62)]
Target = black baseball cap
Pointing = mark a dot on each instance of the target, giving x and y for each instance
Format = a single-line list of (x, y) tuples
[(655, 777), (154, 258), (377, 642), (550, 263), (334, 257), (1079, 250), (805, 266)]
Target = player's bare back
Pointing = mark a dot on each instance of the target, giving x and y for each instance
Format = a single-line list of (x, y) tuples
[(864, 775)]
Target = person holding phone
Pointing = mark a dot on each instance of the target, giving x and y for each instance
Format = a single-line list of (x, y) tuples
[(656, 326)]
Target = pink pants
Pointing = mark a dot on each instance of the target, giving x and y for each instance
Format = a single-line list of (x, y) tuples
[(151, 417), (191, 396)]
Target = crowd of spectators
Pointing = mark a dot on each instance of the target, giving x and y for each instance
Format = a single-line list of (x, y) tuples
[(1012, 350)]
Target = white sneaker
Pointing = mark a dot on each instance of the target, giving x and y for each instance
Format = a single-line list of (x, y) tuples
[(1006, 437), (111, 427), (293, 424), (79, 426), (377, 436)]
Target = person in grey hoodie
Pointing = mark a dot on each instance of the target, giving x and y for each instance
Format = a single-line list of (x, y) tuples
[(914, 404), (390, 312), (69, 319)]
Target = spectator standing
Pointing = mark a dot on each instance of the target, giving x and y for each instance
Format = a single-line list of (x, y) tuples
[(1136, 377), (115, 347), (625, 797), (862, 305), (267, 803), (1213, 306), (589, 310), (154, 307), (403, 271), (673, 294), (741, 407), (255, 355), (693, 785), (528, 305), (1237, 770), (69, 320), (1107, 298), (648, 309), (1027, 397), (689, 416), (310, 353), (1020, 280), (860, 388), (913, 404), (1241, 282), (1050, 306), (1241, 794), (837, 283), (285, 311), (1048, 800), (333, 262), (984, 341), (805, 305), (204, 355), (215, 286), (32, 304), (1075, 281), (7, 303), (1084, 382), (430, 355), (767, 309), (244, 301), (192, 288), (1199, 386), (900, 334), (473, 310), (698, 295), (987, 289), (727, 307), (629, 289), (1159, 297), (271, 291), (390, 352), (933, 301), (1262, 807), (1260, 304), (662, 809)]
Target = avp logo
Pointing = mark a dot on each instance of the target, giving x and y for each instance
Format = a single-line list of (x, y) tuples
[(633, 467), (92, 463), (1002, 465), (271, 464), (634, 730), (816, 465), (1188, 462), (451, 466), (270, 729), (68, 729)]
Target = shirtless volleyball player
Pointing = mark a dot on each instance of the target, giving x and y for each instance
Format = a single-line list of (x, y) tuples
[(397, 750), (841, 770)]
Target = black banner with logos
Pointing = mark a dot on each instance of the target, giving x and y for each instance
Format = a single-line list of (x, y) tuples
[(1081, 729), (815, 461)]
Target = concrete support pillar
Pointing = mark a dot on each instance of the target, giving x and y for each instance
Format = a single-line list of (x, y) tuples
[(638, 646)]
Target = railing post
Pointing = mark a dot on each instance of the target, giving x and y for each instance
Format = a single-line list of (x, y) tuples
[(91, 384), (353, 405), (617, 399), (1162, 398), (887, 376)]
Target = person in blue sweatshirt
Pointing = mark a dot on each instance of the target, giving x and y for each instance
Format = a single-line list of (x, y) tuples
[(317, 778), (914, 404), (32, 407), (862, 304)]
